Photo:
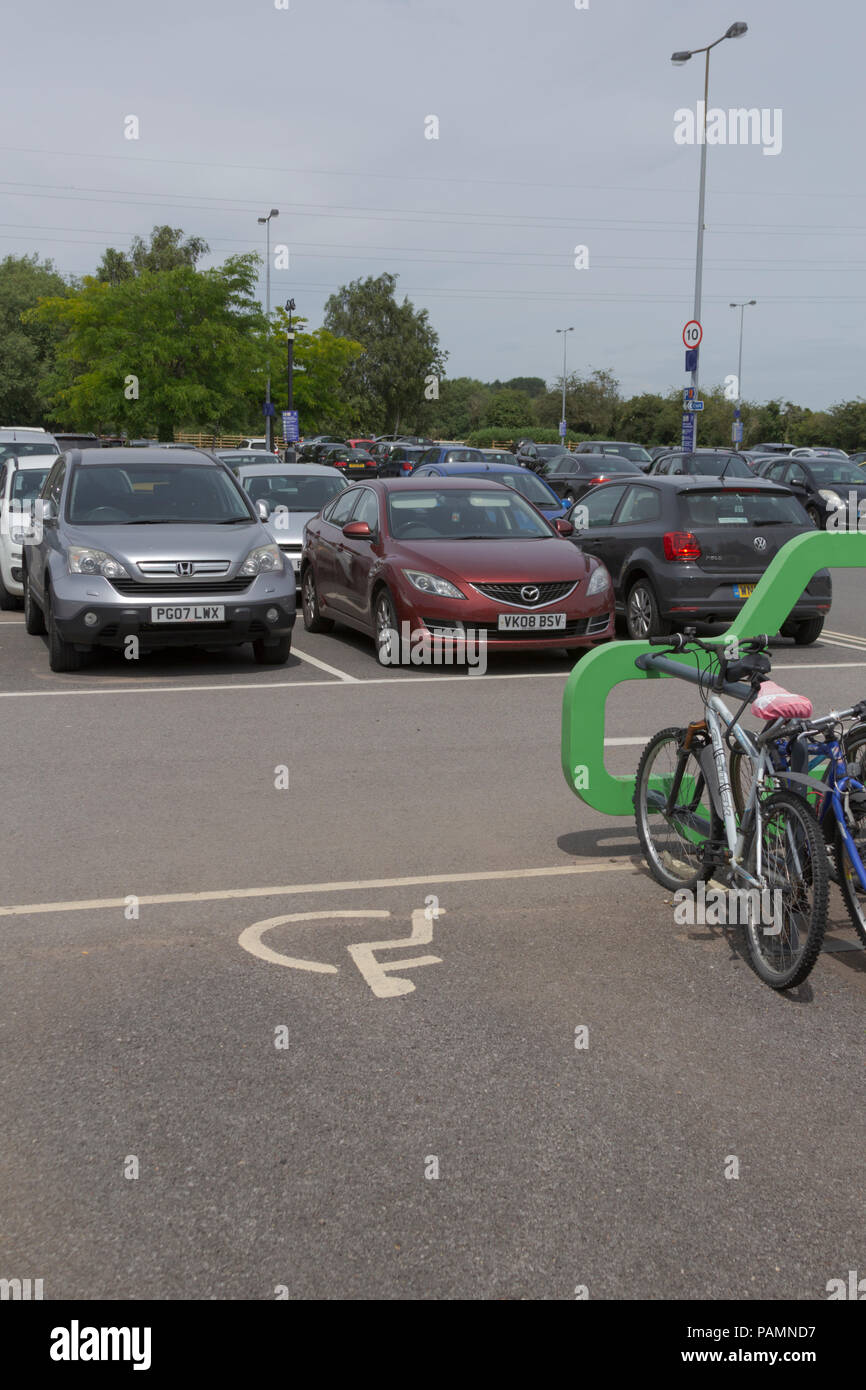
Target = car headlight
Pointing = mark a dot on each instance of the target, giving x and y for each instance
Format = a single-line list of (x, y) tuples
[(82, 559), (833, 500), (432, 584), (599, 582), (265, 559)]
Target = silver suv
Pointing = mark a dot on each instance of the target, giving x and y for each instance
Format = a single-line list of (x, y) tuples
[(160, 546)]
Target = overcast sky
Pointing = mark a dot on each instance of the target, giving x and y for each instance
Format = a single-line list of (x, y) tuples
[(556, 129)]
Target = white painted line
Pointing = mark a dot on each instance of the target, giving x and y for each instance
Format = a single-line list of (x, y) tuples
[(849, 646), (323, 666), (240, 687), (350, 885), (846, 636), (626, 742), (821, 666)]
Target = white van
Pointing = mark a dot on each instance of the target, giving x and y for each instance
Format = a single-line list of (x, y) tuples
[(21, 479)]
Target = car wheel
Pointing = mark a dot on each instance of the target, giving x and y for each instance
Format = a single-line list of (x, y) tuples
[(34, 618), (807, 632), (7, 600), (815, 517), (642, 615), (313, 620), (385, 617), (62, 656), (273, 653)]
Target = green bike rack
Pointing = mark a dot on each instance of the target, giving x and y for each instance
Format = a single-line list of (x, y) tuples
[(596, 674)]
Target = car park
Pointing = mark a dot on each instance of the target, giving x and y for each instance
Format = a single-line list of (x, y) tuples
[(570, 475), (530, 485), (448, 557), (821, 484), (166, 549), (293, 496), (710, 463), (689, 549), (21, 478)]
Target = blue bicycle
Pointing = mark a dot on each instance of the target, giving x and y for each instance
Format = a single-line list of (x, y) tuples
[(798, 749)]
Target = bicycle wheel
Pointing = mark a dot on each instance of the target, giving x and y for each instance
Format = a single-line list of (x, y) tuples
[(849, 880), (673, 840), (784, 933)]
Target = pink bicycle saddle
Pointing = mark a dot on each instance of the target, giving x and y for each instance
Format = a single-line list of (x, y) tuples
[(776, 703)]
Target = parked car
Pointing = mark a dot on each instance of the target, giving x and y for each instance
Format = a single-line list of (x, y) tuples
[(822, 485), (400, 460), (258, 442), (499, 456), (534, 456), (77, 441), (308, 449), (292, 496), (570, 475), (530, 485), (818, 452), (163, 547), (635, 453), (708, 463), (859, 458), (18, 447), (350, 461), (448, 556), (773, 448), (236, 458), (451, 453), (21, 478), (686, 549), (659, 450), (362, 443)]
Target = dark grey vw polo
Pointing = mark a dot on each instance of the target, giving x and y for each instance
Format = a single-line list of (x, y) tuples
[(156, 544)]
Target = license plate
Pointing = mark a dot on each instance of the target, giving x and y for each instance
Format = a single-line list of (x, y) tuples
[(188, 613), (743, 590), (530, 622)]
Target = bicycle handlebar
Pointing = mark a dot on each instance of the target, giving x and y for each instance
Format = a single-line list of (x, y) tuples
[(649, 662)]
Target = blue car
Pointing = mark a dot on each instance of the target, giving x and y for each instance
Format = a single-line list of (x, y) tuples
[(527, 483)]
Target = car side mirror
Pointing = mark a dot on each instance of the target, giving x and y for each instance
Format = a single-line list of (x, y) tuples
[(262, 509), (564, 527), (48, 510), (357, 530)]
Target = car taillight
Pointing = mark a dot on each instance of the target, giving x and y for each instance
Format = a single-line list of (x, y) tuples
[(681, 545), (406, 467), (600, 478)]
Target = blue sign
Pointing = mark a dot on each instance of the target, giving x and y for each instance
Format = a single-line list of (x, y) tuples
[(691, 359), (268, 408), (693, 405), (737, 432), (688, 393), (290, 424), (688, 433), (562, 429)]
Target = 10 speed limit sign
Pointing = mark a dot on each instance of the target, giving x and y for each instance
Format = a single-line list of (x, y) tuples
[(692, 333)]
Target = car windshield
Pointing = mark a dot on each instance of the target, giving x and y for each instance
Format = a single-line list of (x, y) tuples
[(634, 452), (730, 507), (150, 494), (237, 458), (296, 491), (27, 482), (22, 450), (463, 515), (717, 465), (529, 485), (833, 471)]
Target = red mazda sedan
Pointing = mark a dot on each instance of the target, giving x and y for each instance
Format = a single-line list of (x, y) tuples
[(453, 558)]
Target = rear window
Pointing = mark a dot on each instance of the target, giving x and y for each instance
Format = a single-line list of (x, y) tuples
[(715, 465), (733, 508)]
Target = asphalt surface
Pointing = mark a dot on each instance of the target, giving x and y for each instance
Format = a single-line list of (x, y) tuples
[(145, 835)]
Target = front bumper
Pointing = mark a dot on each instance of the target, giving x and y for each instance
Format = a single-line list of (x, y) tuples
[(588, 620)]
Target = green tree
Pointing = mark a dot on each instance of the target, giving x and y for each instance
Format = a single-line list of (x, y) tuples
[(321, 361), (27, 349), (400, 350), (458, 410), (165, 251), (164, 350), (508, 409)]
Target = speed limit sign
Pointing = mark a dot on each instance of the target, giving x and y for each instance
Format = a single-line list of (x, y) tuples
[(692, 333)]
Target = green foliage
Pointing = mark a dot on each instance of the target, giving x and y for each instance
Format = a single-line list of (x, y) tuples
[(166, 251), (321, 362), (27, 349), (487, 438), (400, 351), (507, 408)]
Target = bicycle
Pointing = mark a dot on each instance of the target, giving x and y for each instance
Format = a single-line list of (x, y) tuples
[(686, 820), (798, 748)]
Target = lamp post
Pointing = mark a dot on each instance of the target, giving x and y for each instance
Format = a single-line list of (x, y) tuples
[(734, 32), (269, 427), (564, 332), (741, 306)]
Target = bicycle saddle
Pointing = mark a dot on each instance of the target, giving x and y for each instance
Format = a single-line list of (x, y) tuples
[(774, 702)]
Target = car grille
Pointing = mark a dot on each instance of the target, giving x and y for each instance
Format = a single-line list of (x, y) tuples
[(580, 627), (510, 593), (175, 588)]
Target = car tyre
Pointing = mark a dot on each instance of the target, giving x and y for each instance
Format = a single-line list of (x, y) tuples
[(385, 620), (273, 653), (34, 618), (642, 615), (313, 620), (815, 517), (62, 655), (807, 632)]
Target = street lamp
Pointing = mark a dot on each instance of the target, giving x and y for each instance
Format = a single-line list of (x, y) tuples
[(741, 306), (564, 332), (269, 428), (735, 31)]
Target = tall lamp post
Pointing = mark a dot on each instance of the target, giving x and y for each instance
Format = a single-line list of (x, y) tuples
[(565, 332), (290, 362), (737, 421), (734, 32), (269, 422)]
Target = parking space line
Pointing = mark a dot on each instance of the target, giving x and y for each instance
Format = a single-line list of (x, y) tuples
[(323, 666), (350, 885)]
